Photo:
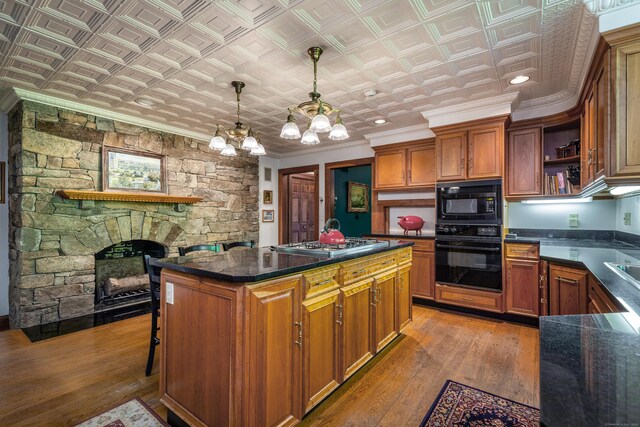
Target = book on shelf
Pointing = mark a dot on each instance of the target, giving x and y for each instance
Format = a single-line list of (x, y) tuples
[(557, 184)]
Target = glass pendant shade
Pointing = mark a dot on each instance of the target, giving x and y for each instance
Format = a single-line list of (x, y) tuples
[(229, 151), (320, 123), (310, 138), (290, 131), (338, 132), (258, 151), (249, 143)]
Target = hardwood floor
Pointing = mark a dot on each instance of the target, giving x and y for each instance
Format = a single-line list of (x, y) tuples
[(65, 380)]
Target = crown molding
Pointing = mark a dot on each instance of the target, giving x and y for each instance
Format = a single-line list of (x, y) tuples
[(14, 95), (474, 110), (404, 134)]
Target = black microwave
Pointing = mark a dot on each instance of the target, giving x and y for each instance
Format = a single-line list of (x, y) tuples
[(471, 202)]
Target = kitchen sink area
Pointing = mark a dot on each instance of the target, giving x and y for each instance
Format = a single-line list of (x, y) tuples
[(629, 272)]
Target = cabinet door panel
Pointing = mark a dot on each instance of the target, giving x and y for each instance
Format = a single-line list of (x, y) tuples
[(403, 306), (421, 166), (524, 163), (390, 169), (321, 372), (423, 275), (385, 305), (451, 156), (485, 153), (522, 291), (357, 343), (602, 117), (567, 290), (276, 330)]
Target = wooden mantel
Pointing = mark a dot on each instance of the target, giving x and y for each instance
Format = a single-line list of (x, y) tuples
[(125, 196)]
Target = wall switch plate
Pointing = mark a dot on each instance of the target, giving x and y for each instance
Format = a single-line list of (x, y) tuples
[(627, 218), (573, 220), (169, 292)]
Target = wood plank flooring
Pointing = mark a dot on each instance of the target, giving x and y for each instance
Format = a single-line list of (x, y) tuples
[(65, 380)]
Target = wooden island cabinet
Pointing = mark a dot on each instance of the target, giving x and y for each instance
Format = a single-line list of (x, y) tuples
[(265, 353)]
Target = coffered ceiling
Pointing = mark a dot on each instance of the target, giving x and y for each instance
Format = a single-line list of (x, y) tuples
[(183, 54)]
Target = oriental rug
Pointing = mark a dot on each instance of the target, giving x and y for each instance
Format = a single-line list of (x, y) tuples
[(459, 405), (134, 413)]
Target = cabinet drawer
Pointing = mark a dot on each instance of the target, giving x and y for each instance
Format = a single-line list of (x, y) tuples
[(363, 267), (482, 300), (522, 250), (316, 282), (404, 255)]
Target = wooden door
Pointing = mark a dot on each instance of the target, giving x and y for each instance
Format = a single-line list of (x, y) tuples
[(485, 148), (384, 309), (567, 290), (451, 151), (390, 169), (626, 95), (276, 328), (524, 165), (356, 343), (421, 166), (322, 317), (403, 299), (522, 290), (301, 208), (423, 284), (601, 145)]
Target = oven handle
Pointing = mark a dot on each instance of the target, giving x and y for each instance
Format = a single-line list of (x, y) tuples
[(474, 248)]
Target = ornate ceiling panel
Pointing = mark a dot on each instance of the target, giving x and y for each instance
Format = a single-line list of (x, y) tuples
[(183, 54)]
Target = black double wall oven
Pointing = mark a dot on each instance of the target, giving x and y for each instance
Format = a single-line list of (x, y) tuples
[(469, 234)]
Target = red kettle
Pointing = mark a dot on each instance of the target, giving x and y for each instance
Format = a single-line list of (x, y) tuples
[(332, 236)]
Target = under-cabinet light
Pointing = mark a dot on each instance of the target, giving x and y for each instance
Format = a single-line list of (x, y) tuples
[(557, 201), (618, 191)]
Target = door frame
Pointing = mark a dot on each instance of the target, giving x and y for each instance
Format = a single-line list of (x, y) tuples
[(329, 183), (283, 199)]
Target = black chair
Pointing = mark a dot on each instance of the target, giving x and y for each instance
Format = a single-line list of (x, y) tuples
[(227, 246), (154, 287), (182, 251)]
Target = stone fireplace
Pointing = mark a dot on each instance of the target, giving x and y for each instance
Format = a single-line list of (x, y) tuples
[(56, 244)]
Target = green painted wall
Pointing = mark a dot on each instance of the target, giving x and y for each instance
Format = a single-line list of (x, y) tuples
[(351, 224)]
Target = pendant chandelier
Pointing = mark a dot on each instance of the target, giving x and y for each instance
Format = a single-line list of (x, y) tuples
[(316, 112), (241, 135)]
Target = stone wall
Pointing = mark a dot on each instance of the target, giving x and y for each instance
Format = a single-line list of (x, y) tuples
[(53, 240)]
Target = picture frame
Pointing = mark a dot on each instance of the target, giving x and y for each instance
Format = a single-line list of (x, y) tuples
[(132, 170), (267, 197), (3, 182), (358, 197), (267, 215)]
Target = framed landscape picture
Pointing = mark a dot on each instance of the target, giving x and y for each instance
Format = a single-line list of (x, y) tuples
[(267, 215), (358, 197), (129, 170)]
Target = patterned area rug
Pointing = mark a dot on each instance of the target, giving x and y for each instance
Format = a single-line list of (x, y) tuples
[(134, 413), (459, 405)]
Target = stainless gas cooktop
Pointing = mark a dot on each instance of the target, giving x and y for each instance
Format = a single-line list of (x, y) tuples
[(352, 245)]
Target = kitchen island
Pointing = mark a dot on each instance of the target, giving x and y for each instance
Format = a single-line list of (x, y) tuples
[(258, 338)]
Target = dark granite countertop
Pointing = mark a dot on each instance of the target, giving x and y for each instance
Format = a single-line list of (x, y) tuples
[(590, 364), (402, 236), (255, 264)]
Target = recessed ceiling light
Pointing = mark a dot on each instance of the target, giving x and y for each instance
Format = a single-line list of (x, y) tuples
[(145, 102), (370, 92), (379, 121), (519, 79)]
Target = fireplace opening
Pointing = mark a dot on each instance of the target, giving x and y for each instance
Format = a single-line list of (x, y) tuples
[(120, 276)]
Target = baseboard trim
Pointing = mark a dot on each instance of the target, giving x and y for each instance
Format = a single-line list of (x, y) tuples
[(4, 323)]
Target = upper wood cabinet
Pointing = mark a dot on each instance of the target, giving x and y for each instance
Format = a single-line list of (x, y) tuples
[(625, 108), (402, 166), (470, 150), (524, 162)]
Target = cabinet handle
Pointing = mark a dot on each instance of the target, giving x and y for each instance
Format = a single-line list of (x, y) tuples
[(362, 270), (566, 280), (339, 321), (379, 295), (299, 324), (324, 282), (461, 164), (388, 262), (401, 283), (409, 175), (537, 178), (467, 299), (403, 175), (373, 296)]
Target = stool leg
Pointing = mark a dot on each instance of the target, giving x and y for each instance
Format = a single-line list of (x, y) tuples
[(152, 344)]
